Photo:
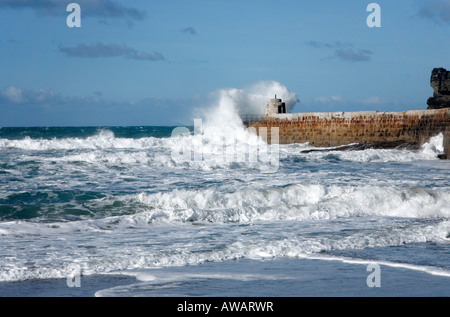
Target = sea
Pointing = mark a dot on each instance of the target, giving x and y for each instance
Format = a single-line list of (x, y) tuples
[(207, 210)]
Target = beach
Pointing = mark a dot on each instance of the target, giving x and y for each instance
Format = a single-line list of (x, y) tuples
[(243, 278)]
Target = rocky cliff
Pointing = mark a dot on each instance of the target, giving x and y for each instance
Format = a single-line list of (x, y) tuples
[(440, 82)]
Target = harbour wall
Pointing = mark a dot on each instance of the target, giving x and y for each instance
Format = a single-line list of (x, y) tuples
[(329, 129)]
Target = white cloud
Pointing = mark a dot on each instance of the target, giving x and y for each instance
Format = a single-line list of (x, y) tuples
[(324, 99), (13, 94), (375, 101)]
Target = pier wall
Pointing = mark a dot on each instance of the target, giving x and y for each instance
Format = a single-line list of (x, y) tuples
[(325, 129)]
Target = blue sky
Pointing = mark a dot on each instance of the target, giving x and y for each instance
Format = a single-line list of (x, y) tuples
[(153, 62)]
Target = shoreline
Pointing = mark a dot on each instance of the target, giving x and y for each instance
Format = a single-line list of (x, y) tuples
[(284, 277)]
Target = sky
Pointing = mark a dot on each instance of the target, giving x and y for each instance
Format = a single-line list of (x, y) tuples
[(157, 62)]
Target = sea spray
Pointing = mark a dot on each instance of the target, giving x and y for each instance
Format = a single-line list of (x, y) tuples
[(233, 102), (434, 146), (232, 146), (221, 137)]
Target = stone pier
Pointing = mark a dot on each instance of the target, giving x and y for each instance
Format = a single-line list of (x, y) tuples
[(384, 129), (447, 145)]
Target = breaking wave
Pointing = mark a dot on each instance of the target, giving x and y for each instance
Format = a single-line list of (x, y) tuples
[(288, 203)]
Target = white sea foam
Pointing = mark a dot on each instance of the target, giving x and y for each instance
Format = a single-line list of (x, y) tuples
[(426, 269), (295, 202), (151, 279), (289, 203), (110, 256), (428, 151), (208, 150), (104, 139)]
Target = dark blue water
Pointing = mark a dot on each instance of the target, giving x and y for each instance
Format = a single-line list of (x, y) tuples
[(84, 132)]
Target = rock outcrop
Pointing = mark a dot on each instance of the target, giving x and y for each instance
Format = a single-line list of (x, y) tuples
[(440, 82)]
